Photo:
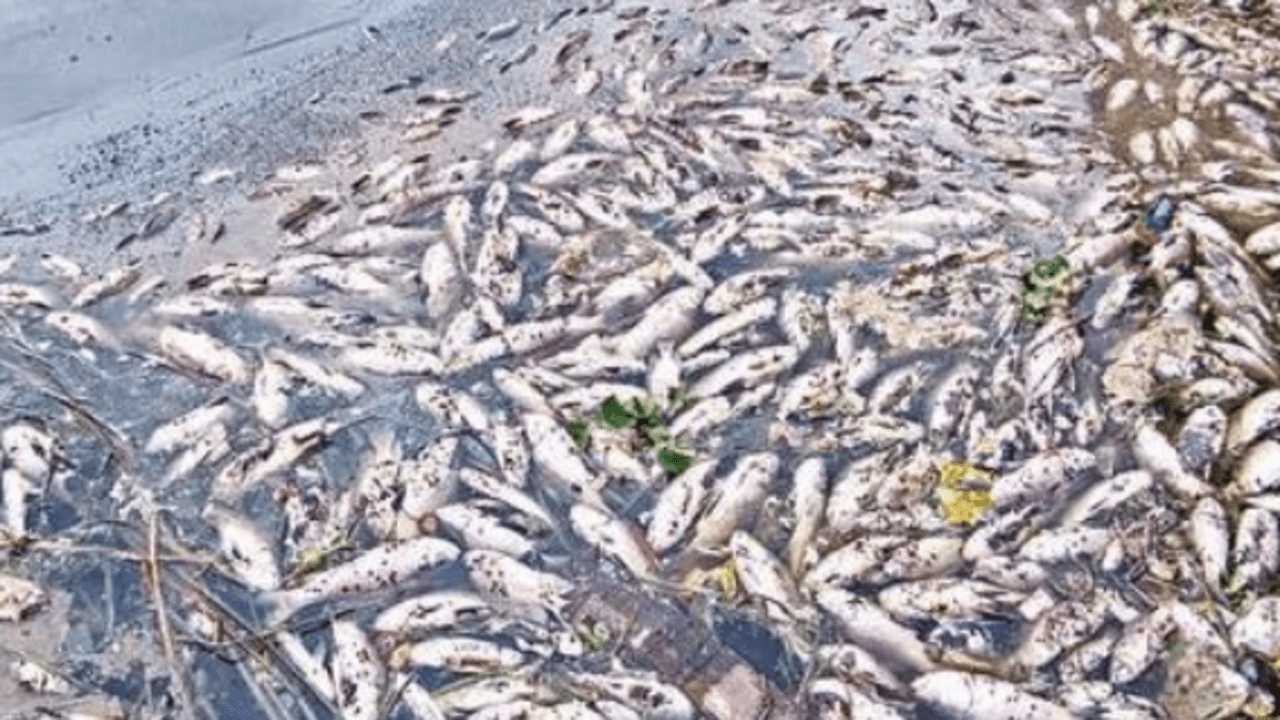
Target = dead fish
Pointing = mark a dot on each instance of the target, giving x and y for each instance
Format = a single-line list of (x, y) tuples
[(458, 654), (249, 550), (1259, 469), (678, 505), (433, 611), (615, 537), (1258, 416), (18, 294), (358, 674), (763, 576), (82, 329), (744, 317), (203, 353), (429, 480), (524, 118), (383, 566), (482, 530), (808, 504), (112, 282), (1201, 439), (852, 562), (1210, 535), (667, 319), (19, 598), (746, 370), (316, 374), (501, 31), (278, 453), (657, 700), (733, 496), (972, 696), (1255, 555), (31, 451), (508, 495), (871, 627), (554, 452), (497, 575), (17, 489)]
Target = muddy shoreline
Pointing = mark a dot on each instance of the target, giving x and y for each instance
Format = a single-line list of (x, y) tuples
[(94, 173)]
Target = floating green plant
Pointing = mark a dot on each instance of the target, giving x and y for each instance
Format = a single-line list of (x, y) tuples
[(1045, 279), (643, 416)]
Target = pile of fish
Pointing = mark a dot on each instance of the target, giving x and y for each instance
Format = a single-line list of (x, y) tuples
[(802, 230)]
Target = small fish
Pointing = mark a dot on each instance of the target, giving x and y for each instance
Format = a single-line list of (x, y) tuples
[(433, 611), (31, 451), (655, 699), (762, 575), (272, 386), (735, 495), (746, 370), (429, 480), (667, 319), (82, 329), (386, 565), (358, 674), (482, 530), (203, 353), (615, 537), (554, 453), (112, 282), (526, 117), (459, 655), (678, 505), (17, 489), (970, 696), (501, 31), (869, 626), (1258, 416), (19, 598), (19, 294), (1210, 535), (750, 314), (506, 494), (318, 375), (497, 575), (277, 454), (247, 548)]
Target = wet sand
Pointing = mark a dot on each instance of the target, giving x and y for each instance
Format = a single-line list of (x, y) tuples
[(120, 104)]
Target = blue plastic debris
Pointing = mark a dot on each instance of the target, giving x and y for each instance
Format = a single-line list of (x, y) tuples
[(1160, 216)]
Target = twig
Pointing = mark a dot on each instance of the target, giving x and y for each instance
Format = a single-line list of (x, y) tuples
[(162, 617)]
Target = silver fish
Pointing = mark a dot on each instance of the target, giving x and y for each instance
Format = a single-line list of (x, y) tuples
[(358, 674), (970, 696), (383, 566)]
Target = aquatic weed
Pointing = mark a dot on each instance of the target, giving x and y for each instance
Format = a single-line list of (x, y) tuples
[(643, 416), (1045, 279)]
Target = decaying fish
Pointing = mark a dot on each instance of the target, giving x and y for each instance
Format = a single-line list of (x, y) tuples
[(381, 567)]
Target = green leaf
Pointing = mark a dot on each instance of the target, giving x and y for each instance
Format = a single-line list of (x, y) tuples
[(677, 398), (615, 414), (1037, 299), (672, 461), (580, 431), (1045, 271)]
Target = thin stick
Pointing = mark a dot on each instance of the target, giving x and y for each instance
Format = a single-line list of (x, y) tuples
[(162, 617)]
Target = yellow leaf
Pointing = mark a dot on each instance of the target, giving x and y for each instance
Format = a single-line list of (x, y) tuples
[(961, 504), (728, 577)]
